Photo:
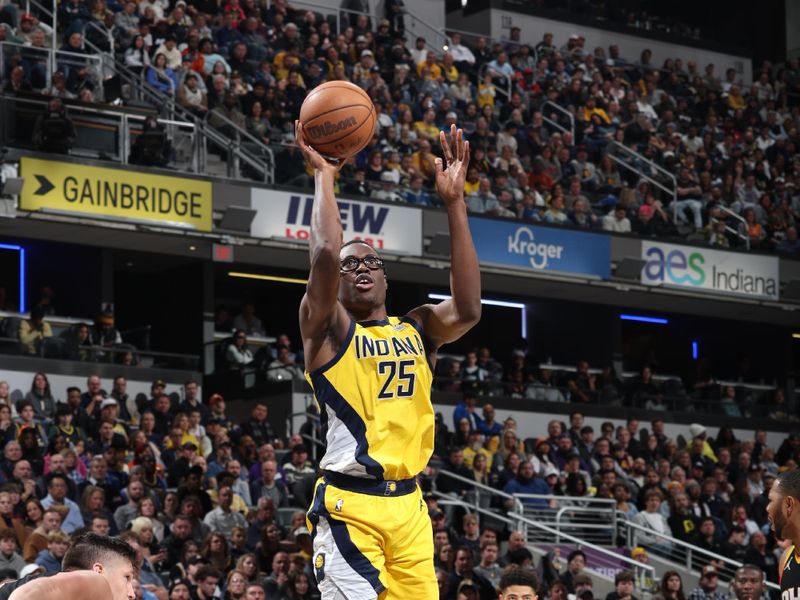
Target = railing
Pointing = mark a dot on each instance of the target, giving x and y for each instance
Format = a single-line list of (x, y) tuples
[(668, 184), (51, 60), (554, 122), (670, 548), (592, 519), (738, 217), (503, 89), (173, 110), (123, 127)]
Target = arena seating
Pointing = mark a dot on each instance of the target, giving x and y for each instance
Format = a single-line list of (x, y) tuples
[(561, 133), (558, 134)]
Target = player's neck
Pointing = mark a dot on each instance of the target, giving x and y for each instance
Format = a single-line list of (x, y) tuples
[(377, 313)]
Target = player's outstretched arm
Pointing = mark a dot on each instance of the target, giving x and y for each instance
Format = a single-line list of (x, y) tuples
[(319, 308), (449, 320), (86, 585)]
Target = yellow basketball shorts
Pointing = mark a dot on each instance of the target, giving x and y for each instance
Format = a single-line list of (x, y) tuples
[(372, 539)]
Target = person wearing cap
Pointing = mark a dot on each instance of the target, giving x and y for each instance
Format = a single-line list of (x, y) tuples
[(707, 587), (699, 431), (388, 190)]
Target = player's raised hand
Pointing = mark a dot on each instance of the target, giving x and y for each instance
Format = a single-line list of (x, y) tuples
[(317, 161), (450, 179)]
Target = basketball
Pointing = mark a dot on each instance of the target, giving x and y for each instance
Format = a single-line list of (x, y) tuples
[(338, 119)]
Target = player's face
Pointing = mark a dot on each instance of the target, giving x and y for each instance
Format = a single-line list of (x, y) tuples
[(119, 574), (775, 512), (748, 584), (518, 592), (361, 288)]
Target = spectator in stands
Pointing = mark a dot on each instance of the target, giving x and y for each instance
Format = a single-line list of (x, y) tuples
[(136, 56), (33, 331), (707, 588), (617, 221), (247, 321), (191, 96), (238, 355), (41, 398), (161, 76), (651, 520), (151, 147)]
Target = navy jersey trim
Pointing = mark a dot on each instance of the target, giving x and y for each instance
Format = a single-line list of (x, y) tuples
[(350, 552), (328, 395), (426, 342), (374, 323), (340, 352)]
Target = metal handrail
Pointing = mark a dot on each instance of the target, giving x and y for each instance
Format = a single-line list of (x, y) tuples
[(505, 91), (556, 124), (479, 486), (168, 102), (614, 145), (739, 218), (52, 56), (328, 9), (690, 548), (187, 129), (641, 570)]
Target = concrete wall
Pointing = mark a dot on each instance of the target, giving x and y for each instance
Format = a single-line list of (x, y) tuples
[(792, 29)]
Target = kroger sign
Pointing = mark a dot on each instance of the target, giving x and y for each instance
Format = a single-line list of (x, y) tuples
[(541, 248), (715, 271), (384, 226)]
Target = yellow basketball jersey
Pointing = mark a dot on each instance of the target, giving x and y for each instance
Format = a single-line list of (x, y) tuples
[(374, 398)]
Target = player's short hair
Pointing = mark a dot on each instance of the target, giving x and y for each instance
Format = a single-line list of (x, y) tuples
[(357, 241), (516, 576), (789, 483), (91, 548)]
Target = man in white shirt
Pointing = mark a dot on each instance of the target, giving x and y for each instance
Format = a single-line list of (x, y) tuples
[(420, 52), (616, 220), (463, 56)]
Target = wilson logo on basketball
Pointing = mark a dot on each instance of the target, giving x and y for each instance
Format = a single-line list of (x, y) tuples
[(328, 128)]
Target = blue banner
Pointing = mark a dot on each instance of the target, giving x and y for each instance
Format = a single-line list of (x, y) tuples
[(541, 248)]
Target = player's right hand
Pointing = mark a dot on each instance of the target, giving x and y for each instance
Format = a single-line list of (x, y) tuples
[(317, 161)]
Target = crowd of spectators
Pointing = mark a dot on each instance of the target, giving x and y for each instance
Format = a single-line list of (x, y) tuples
[(731, 144), (216, 507)]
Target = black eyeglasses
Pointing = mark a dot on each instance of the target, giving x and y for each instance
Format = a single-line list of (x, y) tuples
[(349, 264)]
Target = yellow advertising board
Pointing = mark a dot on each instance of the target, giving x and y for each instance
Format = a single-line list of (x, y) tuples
[(115, 193)]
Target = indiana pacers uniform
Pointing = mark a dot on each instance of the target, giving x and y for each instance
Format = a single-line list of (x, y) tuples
[(371, 530), (790, 576)]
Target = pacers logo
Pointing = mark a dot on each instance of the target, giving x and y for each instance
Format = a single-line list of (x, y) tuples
[(391, 488), (319, 566)]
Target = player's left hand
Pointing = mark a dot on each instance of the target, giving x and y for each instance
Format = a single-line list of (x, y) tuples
[(450, 180)]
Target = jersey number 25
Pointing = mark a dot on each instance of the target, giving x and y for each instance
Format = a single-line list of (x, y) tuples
[(399, 381)]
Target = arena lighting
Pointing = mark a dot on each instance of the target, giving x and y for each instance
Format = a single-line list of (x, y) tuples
[(695, 349), (642, 319), (796, 336), (503, 303), (21, 251), (267, 277)]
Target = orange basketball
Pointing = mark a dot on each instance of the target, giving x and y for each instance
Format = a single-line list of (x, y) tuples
[(338, 119)]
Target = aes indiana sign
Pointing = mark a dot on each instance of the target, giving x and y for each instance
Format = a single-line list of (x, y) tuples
[(384, 226), (713, 271)]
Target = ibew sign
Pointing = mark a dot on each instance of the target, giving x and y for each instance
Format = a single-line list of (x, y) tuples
[(541, 248), (384, 226)]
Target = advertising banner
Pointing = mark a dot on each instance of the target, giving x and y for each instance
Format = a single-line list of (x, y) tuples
[(115, 193), (541, 248), (714, 271), (384, 226)]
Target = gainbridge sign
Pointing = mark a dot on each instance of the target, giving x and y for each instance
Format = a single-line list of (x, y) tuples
[(115, 193)]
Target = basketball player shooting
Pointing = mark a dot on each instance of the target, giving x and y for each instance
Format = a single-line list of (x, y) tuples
[(371, 375), (783, 511)]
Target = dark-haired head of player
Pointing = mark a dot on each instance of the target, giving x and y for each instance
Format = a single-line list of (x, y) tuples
[(518, 584), (784, 506), (112, 558), (362, 281)]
